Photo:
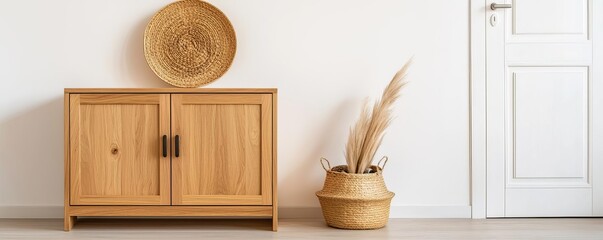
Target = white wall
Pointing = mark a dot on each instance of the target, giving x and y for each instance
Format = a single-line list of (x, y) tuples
[(324, 56)]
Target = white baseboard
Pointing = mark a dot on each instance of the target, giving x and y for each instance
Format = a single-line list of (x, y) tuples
[(411, 211), (434, 211), (31, 211)]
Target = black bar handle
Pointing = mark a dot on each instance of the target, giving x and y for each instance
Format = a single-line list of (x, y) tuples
[(164, 150), (177, 146)]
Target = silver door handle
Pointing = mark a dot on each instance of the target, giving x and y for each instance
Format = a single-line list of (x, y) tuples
[(495, 6)]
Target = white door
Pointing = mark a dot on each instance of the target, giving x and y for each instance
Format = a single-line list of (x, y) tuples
[(543, 108)]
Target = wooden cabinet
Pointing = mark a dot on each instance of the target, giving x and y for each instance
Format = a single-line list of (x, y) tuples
[(170, 152)]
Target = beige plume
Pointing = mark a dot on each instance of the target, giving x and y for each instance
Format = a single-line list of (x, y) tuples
[(367, 134)]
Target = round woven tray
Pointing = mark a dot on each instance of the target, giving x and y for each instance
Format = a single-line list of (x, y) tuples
[(189, 43)]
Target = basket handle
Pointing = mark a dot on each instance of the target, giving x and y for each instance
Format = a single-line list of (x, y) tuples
[(322, 162), (382, 167)]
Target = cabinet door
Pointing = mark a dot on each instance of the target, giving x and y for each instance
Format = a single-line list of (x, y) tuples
[(225, 149), (116, 153)]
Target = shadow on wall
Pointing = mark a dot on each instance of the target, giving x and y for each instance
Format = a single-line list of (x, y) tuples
[(134, 66), (31, 165), (305, 175)]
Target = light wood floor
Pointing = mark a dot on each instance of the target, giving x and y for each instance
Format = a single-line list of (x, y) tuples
[(311, 229)]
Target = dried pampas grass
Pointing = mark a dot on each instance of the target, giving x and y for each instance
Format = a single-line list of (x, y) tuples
[(367, 134)]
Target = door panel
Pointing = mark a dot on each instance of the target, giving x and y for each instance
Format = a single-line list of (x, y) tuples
[(115, 149), (555, 17), (225, 143), (550, 118), (216, 143), (539, 109), (548, 21), (527, 202)]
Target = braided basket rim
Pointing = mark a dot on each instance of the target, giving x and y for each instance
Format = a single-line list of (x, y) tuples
[(357, 175)]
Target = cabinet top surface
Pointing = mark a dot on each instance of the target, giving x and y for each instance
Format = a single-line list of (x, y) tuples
[(170, 90)]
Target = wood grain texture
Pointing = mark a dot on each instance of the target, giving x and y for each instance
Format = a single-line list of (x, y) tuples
[(274, 163), (115, 150), (169, 211), (224, 145), (67, 220), (165, 171), (215, 99), (221, 149), (266, 149), (74, 149), (170, 90), (90, 99)]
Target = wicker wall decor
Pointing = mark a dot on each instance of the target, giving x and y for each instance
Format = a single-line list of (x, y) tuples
[(189, 43)]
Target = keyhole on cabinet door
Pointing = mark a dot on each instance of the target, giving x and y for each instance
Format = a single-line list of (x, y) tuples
[(493, 19)]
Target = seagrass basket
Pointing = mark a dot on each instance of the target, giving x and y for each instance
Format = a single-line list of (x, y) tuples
[(355, 201)]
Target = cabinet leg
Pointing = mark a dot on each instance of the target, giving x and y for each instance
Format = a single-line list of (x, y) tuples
[(274, 218), (274, 224), (69, 221)]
